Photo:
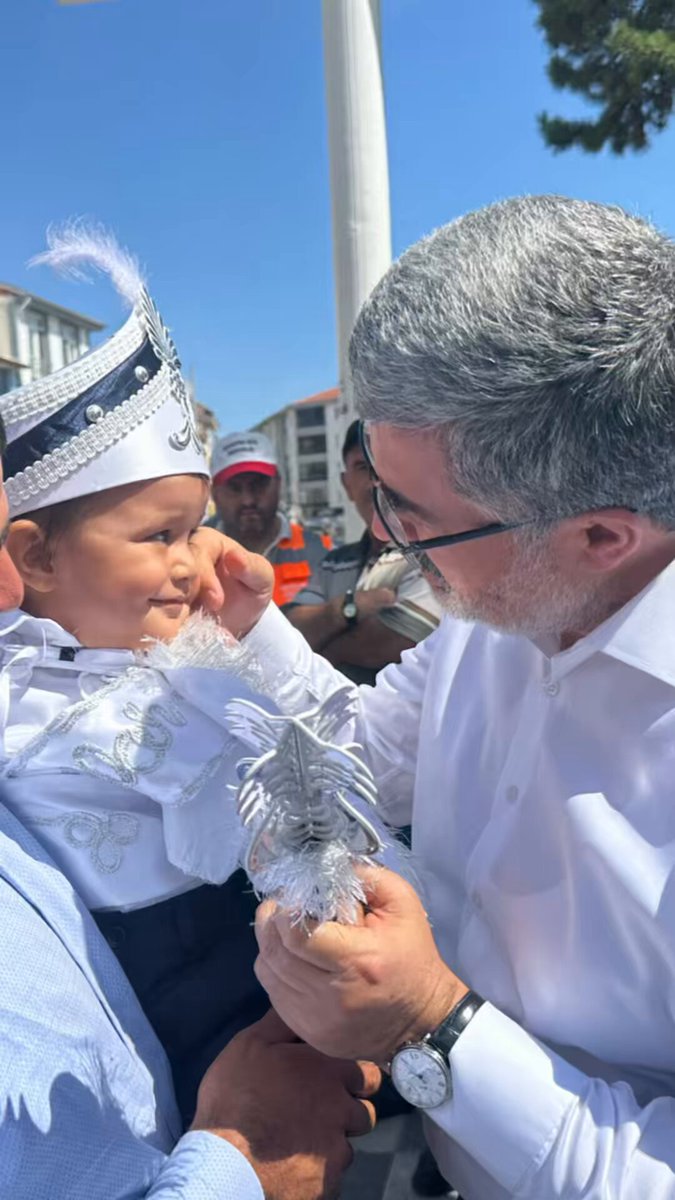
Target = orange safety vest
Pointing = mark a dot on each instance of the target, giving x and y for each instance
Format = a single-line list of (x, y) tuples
[(291, 568)]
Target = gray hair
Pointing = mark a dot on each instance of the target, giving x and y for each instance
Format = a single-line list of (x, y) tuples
[(538, 336)]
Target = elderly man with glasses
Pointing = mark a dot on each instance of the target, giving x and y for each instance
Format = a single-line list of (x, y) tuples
[(516, 375)]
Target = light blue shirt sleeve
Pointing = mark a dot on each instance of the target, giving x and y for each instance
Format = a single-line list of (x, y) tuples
[(87, 1110), (204, 1167)]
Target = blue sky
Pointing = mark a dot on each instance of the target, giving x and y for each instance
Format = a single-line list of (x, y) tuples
[(196, 129)]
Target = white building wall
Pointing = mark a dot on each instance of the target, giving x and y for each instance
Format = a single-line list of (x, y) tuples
[(300, 497), (334, 440), (25, 317)]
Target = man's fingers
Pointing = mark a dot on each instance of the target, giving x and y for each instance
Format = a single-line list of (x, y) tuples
[(387, 893), (276, 929), (252, 570), (364, 1079), (325, 946), (280, 969), (361, 1118)]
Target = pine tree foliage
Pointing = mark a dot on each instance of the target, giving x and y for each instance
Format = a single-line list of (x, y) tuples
[(619, 55)]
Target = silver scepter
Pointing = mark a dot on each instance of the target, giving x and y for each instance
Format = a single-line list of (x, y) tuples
[(299, 797)]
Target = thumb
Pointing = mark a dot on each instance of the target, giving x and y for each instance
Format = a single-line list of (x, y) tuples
[(388, 894), (251, 570)]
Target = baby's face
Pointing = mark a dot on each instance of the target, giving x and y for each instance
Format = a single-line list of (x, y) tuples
[(126, 571)]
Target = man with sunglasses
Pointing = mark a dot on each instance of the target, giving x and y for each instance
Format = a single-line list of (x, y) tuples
[(516, 376)]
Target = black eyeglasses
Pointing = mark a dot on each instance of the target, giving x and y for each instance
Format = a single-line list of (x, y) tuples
[(391, 521)]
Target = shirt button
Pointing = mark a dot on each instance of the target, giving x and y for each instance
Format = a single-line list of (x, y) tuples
[(512, 793), (552, 688)]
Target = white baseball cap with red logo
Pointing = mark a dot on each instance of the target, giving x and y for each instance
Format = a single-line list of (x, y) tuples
[(239, 452)]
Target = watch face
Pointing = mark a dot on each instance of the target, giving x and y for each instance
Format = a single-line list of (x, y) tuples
[(421, 1076), (350, 610)]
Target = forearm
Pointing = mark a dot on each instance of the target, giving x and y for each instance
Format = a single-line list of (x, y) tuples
[(540, 1127), (318, 623), (369, 644)]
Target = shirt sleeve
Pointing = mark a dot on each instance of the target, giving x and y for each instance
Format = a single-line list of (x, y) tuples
[(387, 715), (205, 1167), (540, 1127)]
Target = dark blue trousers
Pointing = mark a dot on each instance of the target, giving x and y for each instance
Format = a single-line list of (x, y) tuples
[(190, 961)]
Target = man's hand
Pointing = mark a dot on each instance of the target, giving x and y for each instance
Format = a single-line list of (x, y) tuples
[(358, 991), (369, 602), (288, 1109), (236, 586)]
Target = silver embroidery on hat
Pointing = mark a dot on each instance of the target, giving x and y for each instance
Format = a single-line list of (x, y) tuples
[(81, 449), (165, 349)]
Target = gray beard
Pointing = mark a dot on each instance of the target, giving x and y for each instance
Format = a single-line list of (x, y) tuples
[(533, 597)]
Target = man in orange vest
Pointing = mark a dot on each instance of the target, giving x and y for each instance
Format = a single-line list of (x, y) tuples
[(245, 488)]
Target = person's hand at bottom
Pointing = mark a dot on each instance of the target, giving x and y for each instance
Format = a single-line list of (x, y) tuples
[(288, 1109)]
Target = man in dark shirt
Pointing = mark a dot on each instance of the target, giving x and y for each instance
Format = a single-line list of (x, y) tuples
[(376, 603)]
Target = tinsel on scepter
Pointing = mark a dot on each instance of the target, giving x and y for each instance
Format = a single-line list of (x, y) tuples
[(299, 798)]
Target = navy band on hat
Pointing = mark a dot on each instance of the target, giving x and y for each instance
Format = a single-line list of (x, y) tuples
[(82, 412)]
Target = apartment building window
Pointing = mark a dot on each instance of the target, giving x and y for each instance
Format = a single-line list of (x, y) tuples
[(9, 378), (313, 414), (38, 344), (312, 471), (312, 444), (70, 342), (313, 500)]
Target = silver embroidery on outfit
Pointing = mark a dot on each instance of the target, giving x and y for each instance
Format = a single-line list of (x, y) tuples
[(105, 837), (148, 730)]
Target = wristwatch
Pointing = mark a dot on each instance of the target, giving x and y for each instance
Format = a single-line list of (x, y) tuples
[(349, 610), (420, 1071)]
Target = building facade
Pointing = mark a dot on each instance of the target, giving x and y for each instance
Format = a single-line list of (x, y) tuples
[(307, 436), (38, 337)]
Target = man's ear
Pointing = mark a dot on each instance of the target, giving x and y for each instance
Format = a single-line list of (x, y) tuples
[(32, 555), (344, 480), (610, 537)]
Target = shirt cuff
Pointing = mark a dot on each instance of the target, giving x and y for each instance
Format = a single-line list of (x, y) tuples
[(203, 1166), (510, 1097), (274, 642)]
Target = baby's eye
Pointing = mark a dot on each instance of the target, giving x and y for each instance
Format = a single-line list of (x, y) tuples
[(163, 535), (193, 533)]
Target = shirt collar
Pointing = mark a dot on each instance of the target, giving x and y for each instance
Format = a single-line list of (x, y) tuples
[(641, 634), (35, 630), (18, 627), (284, 532)]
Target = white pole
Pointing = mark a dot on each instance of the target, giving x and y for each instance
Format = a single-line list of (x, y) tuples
[(358, 171)]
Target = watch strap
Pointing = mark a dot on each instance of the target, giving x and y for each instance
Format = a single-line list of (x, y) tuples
[(349, 602), (446, 1035)]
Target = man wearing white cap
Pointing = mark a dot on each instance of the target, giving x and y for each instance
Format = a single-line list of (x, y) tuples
[(246, 485)]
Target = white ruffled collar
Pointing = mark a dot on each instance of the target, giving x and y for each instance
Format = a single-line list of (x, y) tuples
[(19, 629)]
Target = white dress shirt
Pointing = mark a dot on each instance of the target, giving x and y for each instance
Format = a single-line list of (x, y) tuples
[(541, 790)]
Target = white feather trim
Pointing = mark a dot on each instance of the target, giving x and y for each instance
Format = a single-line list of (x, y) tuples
[(77, 247)]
